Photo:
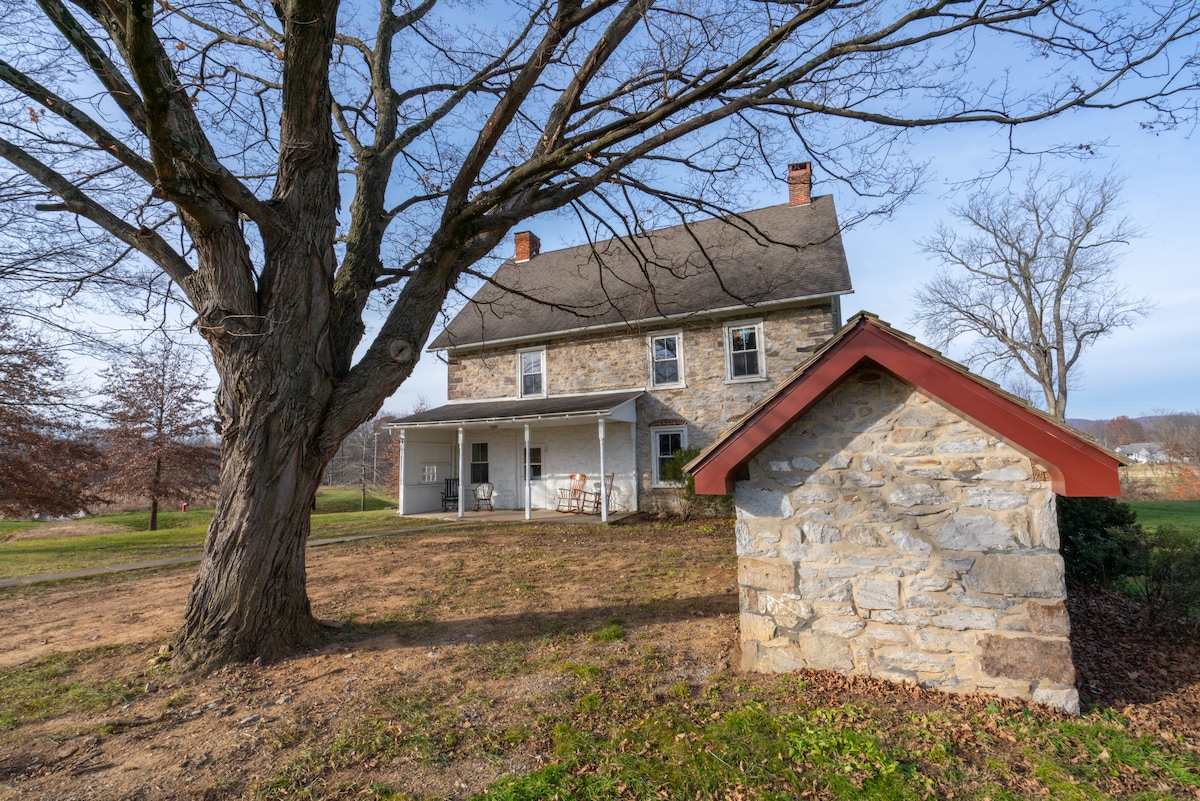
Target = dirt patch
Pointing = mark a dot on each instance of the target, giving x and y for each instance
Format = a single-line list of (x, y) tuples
[(478, 620), (455, 646)]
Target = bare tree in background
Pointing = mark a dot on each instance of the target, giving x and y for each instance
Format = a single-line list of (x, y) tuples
[(46, 465), (159, 428), (1179, 435), (285, 168), (1028, 280), (1122, 431)]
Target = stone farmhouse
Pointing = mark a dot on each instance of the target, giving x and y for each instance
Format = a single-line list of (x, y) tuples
[(607, 358), (896, 518)]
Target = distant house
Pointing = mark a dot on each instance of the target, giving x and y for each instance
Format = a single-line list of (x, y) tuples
[(896, 518), (607, 358), (1144, 452)]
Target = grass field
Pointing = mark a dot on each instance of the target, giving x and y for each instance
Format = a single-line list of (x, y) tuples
[(1184, 515), (560, 662), (124, 538)]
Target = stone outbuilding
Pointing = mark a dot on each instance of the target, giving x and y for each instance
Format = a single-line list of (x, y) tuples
[(896, 518)]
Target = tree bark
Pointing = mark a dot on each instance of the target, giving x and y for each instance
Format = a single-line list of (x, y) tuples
[(250, 596), (154, 488), (249, 599)]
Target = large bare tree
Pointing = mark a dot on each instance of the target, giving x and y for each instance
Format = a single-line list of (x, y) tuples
[(287, 167), (1029, 280)]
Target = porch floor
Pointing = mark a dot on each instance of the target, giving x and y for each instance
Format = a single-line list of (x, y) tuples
[(518, 516)]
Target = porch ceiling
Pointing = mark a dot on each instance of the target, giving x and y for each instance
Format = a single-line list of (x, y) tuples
[(569, 410)]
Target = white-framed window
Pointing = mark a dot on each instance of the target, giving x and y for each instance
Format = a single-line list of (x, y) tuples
[(429, 474), (535, 463), (666, 441), (479, 462), (745, 359), (531, 372), (666, 359)]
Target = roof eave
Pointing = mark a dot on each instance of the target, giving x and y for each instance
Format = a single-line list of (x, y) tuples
[(668, 318), (1076, 467)]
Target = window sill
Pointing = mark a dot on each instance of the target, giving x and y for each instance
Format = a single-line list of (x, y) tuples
[(654, 387), (752, 379)]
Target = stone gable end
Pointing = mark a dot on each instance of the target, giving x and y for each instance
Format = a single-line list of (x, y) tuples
[(883, 534)]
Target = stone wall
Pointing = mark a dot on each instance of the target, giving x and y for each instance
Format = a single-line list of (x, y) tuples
[(882, 534), (610, 361)]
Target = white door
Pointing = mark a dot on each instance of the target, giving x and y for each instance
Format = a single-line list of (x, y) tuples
[(538, 484)]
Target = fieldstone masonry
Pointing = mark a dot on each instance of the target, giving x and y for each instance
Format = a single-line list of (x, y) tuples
[(613, 361), (883, 534)]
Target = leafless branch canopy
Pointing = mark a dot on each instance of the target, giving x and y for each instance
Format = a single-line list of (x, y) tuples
[(1029, 280), (283, 163)]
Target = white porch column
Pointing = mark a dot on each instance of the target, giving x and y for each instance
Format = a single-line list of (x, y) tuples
[(603, 477), (462, 485), (400, 508), (528, 479), (637, 476)]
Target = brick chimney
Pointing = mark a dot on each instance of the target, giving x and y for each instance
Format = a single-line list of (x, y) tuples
[(527, 244), (800, 184)]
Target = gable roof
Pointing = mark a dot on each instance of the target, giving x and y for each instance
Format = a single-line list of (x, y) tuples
[(780, 253), (1077, 465)]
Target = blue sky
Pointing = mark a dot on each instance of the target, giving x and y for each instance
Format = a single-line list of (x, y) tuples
[(1154, 366)]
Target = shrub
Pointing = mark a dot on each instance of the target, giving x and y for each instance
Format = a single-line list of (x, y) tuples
[(1103, 544), (1166, 573), (689, 502), (1098, 537)]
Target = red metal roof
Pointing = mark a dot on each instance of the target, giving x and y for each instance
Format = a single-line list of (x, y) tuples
[(1076, 465)]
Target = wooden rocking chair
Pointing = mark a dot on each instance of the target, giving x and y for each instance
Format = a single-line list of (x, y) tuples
[(590, 502), (570, 499)]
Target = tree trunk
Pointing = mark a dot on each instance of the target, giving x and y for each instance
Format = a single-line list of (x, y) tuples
[(250, 597), (154, 491)]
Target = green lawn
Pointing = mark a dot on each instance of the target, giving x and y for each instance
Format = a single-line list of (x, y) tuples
[(1184, 515), (125, 538)]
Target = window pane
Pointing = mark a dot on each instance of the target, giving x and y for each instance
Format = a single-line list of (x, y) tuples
[(665, 348), (531, 384), (744, 363), (479, 462), (666, 372), (535, 464), (743, 352), (531, 362), (666, 445)]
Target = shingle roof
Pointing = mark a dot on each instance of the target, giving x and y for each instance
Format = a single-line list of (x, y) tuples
[(515, 409), (773, 254)]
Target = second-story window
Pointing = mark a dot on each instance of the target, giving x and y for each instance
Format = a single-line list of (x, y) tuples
[(744, 351), (531, 370), (666, 360)]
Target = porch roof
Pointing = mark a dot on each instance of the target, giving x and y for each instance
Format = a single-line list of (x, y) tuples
[(616, 406)]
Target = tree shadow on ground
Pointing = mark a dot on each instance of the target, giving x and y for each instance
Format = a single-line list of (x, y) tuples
[(526, 626)]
